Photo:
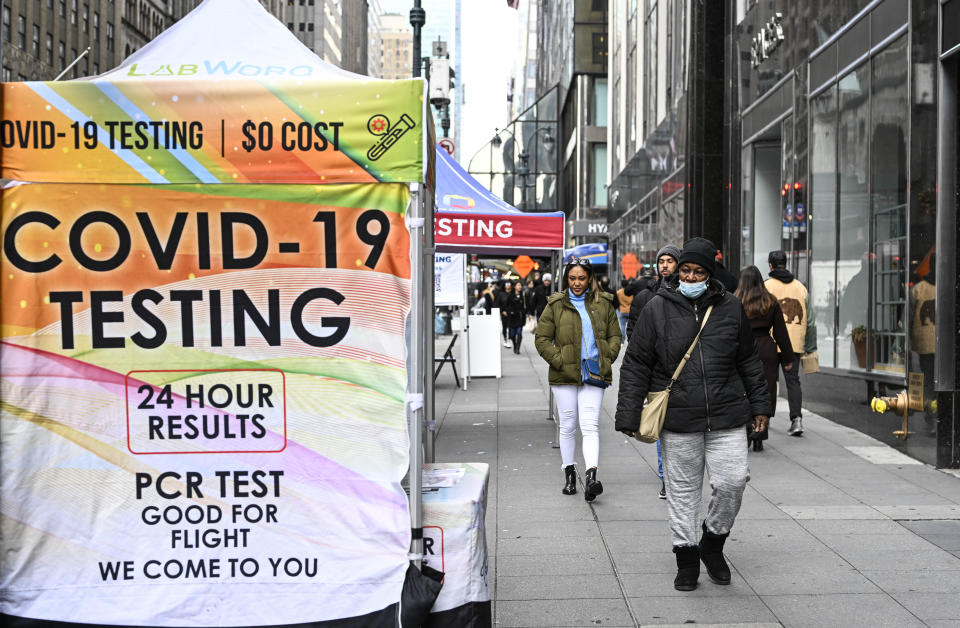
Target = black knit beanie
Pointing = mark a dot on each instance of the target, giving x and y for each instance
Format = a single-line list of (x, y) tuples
[(699, 251)]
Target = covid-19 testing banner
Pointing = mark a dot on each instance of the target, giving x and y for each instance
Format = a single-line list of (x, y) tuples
[(198, 396), (202, 363)]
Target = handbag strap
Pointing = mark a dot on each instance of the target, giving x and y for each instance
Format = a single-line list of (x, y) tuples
[(686, 357)]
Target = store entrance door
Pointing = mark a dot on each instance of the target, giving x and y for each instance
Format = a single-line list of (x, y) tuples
[(774, 207), (766, 202)]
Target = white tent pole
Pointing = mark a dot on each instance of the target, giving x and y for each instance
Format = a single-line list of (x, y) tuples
[(465, 325), (557, 259), (416, 376), (429, 400), (73, 63)]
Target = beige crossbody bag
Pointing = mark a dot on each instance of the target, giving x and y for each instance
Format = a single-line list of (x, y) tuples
[(655, 408)]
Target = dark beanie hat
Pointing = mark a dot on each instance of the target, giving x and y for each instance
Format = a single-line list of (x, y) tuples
[(670, 250), (699, 251)]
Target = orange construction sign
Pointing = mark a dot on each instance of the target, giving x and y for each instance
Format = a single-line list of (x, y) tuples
[(629, 265), (523, 265)]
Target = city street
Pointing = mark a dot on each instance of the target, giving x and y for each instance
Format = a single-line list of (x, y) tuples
[(836, 528)]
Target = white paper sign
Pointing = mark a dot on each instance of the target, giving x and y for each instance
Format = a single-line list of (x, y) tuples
[(448, 279)]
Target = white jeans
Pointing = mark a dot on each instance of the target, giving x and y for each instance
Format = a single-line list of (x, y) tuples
[(579, 403)]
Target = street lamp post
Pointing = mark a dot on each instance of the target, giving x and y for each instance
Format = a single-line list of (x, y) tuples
[(524, 168), (418, 17)]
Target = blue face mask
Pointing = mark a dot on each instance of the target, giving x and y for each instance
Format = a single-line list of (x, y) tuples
[(693, 290)]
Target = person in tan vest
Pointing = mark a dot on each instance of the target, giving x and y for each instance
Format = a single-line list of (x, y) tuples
[(795, 304), (923, 335), (624, 299)]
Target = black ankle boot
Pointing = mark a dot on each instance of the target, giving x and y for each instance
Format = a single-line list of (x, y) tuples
[(688, 567), (570, 488), (711, 553), (592, 486)]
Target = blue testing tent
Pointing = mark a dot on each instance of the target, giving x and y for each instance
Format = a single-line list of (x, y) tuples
[(470, 218)]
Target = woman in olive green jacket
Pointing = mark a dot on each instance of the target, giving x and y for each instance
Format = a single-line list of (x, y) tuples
[(579, 337)]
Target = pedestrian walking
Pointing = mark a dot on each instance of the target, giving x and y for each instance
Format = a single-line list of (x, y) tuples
[(501, 300), (625, 296), (765, 317), (579, 337), (795, 303), (542, 293), (667, 258), (516, 313), (719, 391), (529, 295), (488, 298), (605, 286), (923, 335)]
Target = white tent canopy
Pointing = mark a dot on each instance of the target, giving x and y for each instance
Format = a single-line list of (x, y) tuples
[(343, 511)]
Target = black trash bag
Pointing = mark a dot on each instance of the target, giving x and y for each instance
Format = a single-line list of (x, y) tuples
[(420, 590)]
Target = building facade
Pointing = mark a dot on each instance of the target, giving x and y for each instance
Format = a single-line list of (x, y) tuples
[(833, 129), (837, 112), (397, 52), (356, 44), (41, 38), (521, 162), (667, 174), (319, 25), (572, 55), (523, 90), (374, 40)]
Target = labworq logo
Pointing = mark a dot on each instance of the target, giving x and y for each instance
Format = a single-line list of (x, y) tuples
[(225, 68), (379, 124)]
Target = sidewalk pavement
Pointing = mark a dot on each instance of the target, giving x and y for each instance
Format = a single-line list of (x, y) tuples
[(836, 529)]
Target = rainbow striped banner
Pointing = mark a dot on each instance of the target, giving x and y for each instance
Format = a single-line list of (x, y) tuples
[(229, 131)]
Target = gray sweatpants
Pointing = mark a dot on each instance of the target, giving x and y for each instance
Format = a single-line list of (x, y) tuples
[(724, 452)]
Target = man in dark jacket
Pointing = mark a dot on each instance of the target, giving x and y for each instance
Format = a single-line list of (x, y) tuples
[(720, 389), (542, 293), (502, 300), (667, 258), (798, 316)]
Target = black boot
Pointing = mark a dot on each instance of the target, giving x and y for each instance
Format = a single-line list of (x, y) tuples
[(711, 553), (688, 567), (592, 486), (519, 342), (516, 345), (570, 488)]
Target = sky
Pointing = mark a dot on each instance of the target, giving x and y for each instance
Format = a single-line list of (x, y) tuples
[(490, 40)]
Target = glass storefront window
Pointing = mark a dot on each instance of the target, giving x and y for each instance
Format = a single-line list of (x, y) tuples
[(671, 221), (599, 175), (598, 111), (859, 167), (853, 263), (889, 106), (746, 220), (823, 221)]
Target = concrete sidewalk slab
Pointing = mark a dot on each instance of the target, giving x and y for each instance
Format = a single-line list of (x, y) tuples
[(834, 529)]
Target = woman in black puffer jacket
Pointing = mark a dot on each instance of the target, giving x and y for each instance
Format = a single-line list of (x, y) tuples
[(720, 390)]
